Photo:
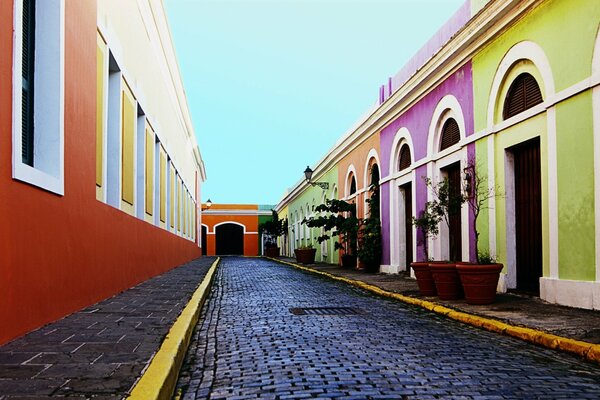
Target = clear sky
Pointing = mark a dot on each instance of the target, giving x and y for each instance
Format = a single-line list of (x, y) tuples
[(272, 84)]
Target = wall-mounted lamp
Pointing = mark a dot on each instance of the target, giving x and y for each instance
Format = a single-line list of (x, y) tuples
[(208, 204), (469, 172), (308, 174)]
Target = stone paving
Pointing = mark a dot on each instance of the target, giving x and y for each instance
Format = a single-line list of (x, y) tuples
[(100, 351), (515, 309), (249, 345)]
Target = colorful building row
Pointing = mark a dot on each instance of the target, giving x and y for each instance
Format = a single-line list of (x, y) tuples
[(514, 88), (100, 171), (234, 229)]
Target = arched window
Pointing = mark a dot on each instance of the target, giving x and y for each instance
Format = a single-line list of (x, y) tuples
[(450, 134), (404, 159), (352, 186), (375, 174), (523, 94)]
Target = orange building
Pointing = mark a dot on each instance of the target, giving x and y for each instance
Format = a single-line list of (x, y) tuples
[(99, 166), (354, 173), (232, 229)]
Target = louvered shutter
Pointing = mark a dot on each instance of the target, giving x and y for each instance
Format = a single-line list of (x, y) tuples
[(404, 159), (450, 134), (28, 62), (523, 94)]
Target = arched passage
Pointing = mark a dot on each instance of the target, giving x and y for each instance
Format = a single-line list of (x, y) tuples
[(229, 239)]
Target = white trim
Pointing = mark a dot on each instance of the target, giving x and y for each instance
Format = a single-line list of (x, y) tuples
[(402, 136), (532, 52), (552, 193), (491, 152), (230, 222), (448, 107), (245, 233), (235, 212), (49, 97), (525, 50), (510, 220), (440, 243), (580, 294), (372, 155), (596, 128), (351, 169)]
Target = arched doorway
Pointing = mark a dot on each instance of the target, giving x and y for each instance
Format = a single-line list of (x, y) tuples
[(229, 239)]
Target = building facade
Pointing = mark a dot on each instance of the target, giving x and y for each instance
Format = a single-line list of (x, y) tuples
[(511, 88), (100, 171), (233, 229)]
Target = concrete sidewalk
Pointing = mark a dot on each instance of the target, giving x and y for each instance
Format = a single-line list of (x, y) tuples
[(514, 309), (102, 350)]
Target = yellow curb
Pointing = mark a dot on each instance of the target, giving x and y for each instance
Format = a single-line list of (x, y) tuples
[(160, 378), (586, 350)]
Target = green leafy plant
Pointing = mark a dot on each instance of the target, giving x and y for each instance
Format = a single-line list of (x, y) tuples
[(338, 220), (273, 228), (369, 233), (305, 247), (428, 224)]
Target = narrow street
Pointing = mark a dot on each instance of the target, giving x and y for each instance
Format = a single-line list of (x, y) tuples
[(270, 331)]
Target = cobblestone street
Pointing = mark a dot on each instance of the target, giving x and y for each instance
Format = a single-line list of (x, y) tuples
[(270, 331)]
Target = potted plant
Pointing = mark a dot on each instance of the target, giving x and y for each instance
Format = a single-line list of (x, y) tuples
[(369, 234), (479, 279), (338, 219), (272, 229), (447, 202), (427, 225), (305, 254)]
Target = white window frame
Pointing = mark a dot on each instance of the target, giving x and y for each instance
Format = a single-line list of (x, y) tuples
[(49, 97)]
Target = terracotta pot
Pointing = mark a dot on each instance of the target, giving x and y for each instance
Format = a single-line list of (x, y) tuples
[(348, 261), (305, 256), (424, 278), (447, 281), (479, 282), (272, 252)]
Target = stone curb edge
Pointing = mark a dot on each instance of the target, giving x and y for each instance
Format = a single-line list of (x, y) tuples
[(589, 351), (160, 377)]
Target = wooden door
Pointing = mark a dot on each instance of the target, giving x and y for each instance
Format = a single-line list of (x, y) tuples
[(408, 226), (455, 220), (528, 215)]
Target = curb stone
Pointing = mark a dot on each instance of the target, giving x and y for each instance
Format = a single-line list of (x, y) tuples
[(160, 377), (589, 351)]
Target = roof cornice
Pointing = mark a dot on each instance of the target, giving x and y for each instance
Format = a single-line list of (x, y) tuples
[(495, 17)]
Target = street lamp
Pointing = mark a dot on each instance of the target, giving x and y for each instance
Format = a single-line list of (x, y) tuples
[(208, 204), (308, 175)]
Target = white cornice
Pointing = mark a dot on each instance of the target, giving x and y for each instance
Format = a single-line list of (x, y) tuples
[(237, 212), (494, 18)]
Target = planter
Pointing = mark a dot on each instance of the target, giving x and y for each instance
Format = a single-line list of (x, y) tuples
[(272, 252), (479, 282), (447, 281), (348, 261), (305, 256), (424, 278)]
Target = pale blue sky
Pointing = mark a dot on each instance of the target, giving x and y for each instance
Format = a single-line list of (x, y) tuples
[(272, 84)]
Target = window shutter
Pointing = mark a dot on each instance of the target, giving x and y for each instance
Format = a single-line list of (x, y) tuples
[(523, 94), (450, 134), (353, 186), (404, 161), (27, 75)]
